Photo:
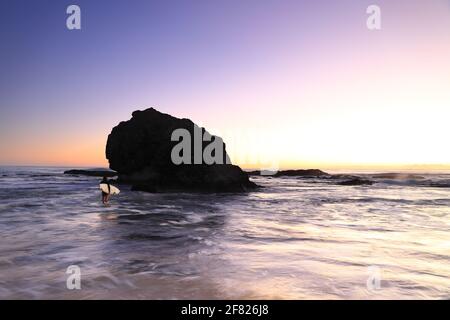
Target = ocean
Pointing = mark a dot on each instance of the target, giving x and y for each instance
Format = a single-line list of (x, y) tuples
[(293, 239)]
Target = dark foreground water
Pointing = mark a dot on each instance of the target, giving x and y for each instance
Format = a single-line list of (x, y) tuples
[(293, 239)]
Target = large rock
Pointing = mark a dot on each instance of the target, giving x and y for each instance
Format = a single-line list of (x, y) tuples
[(140, 151)]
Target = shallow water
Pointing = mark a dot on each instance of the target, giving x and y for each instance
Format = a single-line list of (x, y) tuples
[(293, 239)]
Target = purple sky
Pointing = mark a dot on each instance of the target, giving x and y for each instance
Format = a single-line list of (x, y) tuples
[(303, 80)]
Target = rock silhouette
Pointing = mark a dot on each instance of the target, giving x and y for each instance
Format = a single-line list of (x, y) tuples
[(306, 173), (140, 151), (316, 174), (357, 181), (92, 172)]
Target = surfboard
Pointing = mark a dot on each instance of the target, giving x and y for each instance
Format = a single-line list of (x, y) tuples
[(104, 188)]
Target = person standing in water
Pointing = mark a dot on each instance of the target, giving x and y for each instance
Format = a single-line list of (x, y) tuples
[(105, 196)]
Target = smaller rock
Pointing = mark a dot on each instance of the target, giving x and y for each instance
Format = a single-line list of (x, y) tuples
[(92, 172), (356, 182), (308, 173)]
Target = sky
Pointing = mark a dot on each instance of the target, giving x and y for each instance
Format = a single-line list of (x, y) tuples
[(288, 84)]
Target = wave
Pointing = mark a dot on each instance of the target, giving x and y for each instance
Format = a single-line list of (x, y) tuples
[(430, 183)]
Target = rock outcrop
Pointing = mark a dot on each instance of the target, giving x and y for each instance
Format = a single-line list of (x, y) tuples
[(142, 151), (356, 182), (318, 175), (306, 173), (92, 172)]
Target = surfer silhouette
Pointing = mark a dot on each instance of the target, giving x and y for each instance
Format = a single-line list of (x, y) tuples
[(105, 196)]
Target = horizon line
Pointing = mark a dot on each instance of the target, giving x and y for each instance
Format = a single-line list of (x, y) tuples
[(409, 167)]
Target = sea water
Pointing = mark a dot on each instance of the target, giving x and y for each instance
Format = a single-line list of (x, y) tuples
[(293, 239)]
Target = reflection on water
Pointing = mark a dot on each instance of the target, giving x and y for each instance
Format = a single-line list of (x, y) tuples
[(293, 239)]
